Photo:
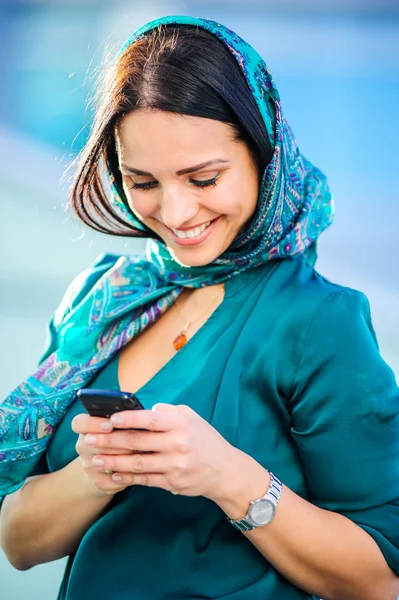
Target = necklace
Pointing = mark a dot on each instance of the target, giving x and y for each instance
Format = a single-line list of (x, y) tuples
[(181, 339)]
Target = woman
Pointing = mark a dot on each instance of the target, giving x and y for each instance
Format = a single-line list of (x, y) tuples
[(265, 463)]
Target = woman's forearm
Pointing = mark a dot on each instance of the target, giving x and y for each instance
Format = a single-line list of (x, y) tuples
[(46, 518), (319, 551)]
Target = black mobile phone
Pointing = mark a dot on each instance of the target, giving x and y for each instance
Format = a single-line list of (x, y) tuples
[(103, 403)]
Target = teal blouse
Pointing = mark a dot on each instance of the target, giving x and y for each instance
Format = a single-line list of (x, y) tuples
[(288, 370)]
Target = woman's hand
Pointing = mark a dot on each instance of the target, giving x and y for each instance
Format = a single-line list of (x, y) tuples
[(171, 447), (86, 425)]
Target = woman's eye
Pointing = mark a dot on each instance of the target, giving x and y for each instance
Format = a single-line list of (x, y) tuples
[(201, 183), (143, 186)]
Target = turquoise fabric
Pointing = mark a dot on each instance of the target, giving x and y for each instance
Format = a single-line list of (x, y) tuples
[(294, 207), (288, 370)]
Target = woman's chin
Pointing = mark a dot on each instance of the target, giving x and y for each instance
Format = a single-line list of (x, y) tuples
[(186, 259)]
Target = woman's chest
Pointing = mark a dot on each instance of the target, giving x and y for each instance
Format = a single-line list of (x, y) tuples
[(147, 354), (227, 373), (224, 373)]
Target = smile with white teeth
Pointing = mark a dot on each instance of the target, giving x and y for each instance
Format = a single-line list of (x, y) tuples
[(191, 233)]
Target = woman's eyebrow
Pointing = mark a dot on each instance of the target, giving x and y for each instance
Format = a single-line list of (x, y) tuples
[(201, 166), (132, 171)]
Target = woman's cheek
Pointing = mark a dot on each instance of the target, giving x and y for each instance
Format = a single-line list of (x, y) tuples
[(142, 207), (227, 201)]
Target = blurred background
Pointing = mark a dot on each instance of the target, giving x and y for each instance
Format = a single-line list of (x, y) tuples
[(336, 65)]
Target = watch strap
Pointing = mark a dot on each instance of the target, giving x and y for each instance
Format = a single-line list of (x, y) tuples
[(273, 494)]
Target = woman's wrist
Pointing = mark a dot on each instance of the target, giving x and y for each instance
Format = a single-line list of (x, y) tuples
[(244, 480), (88, 487)]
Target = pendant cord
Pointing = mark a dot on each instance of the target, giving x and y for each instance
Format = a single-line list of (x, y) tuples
[(181, 339)]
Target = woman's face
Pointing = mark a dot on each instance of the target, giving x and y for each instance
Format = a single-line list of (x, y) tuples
[(181, 173)]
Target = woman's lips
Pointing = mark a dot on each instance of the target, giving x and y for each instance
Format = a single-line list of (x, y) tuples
[(196, 240)]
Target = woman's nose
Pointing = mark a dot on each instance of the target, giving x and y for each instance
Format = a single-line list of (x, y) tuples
[(177, 209)]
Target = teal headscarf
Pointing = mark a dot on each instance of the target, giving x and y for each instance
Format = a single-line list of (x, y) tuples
[(294, 207)]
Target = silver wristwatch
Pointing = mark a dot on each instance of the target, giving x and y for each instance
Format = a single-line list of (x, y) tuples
[(261, 512)]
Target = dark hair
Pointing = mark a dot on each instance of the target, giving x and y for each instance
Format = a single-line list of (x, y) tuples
[(177, 68)]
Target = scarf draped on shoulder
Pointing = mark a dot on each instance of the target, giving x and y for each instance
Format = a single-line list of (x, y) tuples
[(129, 293)]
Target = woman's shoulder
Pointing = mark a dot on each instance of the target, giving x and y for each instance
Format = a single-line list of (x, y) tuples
[(302, 292), (320, 326), (304, 279), (78, 290), (81, 285)]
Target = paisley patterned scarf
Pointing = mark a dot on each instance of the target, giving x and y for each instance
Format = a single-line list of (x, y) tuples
[(294, 207)]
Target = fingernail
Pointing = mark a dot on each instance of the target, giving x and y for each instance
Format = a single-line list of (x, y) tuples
[(116, 420), (97, 461), (116, 478), (90, 440), (106, 426)]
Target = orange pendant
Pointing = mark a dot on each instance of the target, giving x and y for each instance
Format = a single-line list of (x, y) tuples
[(180, 341)]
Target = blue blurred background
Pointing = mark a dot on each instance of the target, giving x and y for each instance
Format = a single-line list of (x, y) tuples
[(336, 65)]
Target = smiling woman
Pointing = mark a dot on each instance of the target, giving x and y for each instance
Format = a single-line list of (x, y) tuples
[(158, 83), (265, 463)]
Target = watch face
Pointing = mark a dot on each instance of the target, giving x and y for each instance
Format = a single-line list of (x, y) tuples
[(262, 512)]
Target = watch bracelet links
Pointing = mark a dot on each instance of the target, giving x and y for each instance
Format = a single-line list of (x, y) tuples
[(274, 490)]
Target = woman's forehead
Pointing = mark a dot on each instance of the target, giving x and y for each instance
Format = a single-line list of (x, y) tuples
[(148, 135)]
